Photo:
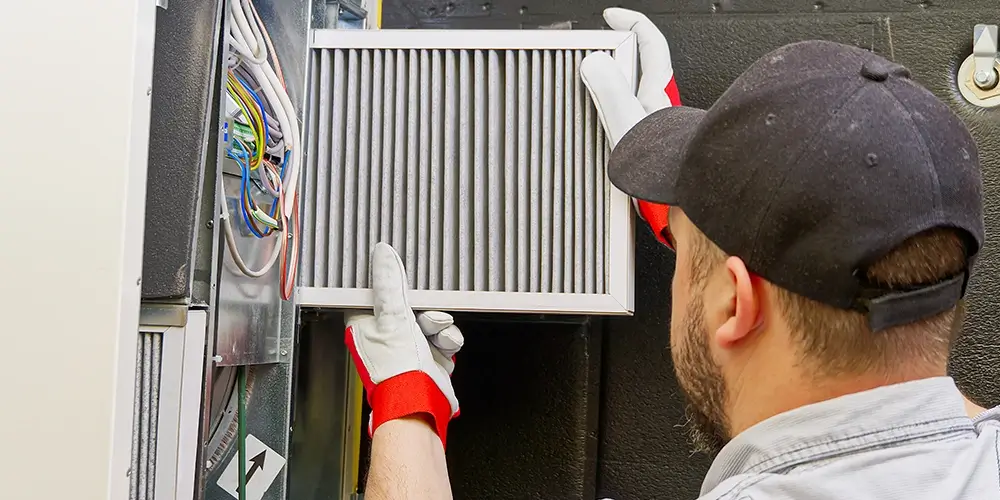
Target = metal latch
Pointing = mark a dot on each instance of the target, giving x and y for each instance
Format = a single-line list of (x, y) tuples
[(984, 54)]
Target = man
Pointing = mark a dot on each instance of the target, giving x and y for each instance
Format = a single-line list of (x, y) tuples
[(825, 213)]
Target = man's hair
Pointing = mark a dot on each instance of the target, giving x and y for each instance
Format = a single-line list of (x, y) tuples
[(839, 342)]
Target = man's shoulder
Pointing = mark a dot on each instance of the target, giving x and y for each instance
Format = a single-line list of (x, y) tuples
[(958, 467), (742, 487)]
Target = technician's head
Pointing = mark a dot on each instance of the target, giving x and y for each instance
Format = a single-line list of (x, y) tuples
[(825, 215)]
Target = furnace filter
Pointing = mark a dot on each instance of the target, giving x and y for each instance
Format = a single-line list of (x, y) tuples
[(479, 156)]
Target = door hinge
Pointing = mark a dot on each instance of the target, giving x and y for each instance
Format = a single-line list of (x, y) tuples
[(984, 54)]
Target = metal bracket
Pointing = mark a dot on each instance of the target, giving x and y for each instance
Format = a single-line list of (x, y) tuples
[(984, 54), (152, 314), (352, 10), (978, 78), (345, 14), (163, 4)]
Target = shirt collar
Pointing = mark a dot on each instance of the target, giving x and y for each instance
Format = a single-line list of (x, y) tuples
[(775, 441)]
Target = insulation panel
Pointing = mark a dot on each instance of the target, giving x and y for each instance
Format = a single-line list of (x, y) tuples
[(479, 156)]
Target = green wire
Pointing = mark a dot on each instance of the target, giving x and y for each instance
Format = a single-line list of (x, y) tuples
[(241, 417)]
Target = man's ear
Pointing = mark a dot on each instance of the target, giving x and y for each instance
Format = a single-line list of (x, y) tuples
[(743, 310)]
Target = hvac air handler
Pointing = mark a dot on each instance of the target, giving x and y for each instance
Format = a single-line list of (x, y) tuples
[(826, 212)]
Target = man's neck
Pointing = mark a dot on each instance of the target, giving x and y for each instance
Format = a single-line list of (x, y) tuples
[(755, 402)]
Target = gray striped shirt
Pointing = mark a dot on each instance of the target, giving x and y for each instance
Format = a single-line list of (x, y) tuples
[(911, 441)]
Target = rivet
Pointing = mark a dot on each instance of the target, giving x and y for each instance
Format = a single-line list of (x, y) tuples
[(871, 159), (769, 120)]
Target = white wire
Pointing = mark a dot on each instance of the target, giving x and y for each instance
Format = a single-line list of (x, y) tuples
[(227, 228), (249, 37), (276, 94), (248, 40)]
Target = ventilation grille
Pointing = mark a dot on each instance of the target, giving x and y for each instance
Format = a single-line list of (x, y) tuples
[(483, 167), (146, 410)]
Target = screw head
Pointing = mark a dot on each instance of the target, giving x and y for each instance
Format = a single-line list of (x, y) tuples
[(985, 78)]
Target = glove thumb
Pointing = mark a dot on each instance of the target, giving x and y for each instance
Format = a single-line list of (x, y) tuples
[(617, 108)]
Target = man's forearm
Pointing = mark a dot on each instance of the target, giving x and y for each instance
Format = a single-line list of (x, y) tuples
[(407, 463)]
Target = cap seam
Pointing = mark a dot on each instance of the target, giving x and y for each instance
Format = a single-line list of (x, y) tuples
[(847, 98), (938, 209)]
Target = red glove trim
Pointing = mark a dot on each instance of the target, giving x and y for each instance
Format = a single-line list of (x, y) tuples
[(672, 93), (408, 394), (656, 216)]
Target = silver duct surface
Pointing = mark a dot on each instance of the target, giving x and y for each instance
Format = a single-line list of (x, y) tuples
[(483, 168)]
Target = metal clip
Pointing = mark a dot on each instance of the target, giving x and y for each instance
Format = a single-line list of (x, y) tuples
[(984, 53)]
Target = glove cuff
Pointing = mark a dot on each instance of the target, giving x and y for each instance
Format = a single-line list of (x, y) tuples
[(408, 394)]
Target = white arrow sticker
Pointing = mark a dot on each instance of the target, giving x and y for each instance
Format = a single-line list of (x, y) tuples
[(263, 465)]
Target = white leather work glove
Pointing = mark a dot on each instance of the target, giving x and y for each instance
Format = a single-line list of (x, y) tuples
[(618, 107), (404, 360)]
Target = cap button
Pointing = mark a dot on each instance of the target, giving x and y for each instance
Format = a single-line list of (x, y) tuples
[(875, 71)]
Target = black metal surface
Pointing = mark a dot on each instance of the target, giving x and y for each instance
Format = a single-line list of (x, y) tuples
[(184, 64), (529, 398), (642, 452)]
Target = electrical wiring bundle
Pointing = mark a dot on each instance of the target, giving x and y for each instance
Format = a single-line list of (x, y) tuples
[(261, 135)]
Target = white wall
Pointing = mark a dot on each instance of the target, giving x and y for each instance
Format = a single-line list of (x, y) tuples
[(74, 116)]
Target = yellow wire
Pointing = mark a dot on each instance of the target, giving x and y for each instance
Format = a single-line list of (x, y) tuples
[(254, 115), (378, 14), (357, 399), (250, 109)]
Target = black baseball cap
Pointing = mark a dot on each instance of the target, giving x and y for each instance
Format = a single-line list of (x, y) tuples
[(817, 161)]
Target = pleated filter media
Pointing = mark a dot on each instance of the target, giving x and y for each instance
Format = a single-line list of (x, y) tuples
[(479, 156)]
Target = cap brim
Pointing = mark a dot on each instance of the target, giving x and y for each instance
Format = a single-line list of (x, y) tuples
[(647, 160)]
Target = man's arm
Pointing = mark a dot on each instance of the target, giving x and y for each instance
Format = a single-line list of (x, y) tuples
[(405, 362), (407, 462)]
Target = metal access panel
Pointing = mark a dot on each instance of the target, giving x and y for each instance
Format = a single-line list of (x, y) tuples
[(479, 156)]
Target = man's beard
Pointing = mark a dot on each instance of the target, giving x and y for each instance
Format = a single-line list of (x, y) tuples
[(702, 384)]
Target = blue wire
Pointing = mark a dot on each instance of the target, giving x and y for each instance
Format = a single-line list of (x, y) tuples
[(240, 158), (244, 180)]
